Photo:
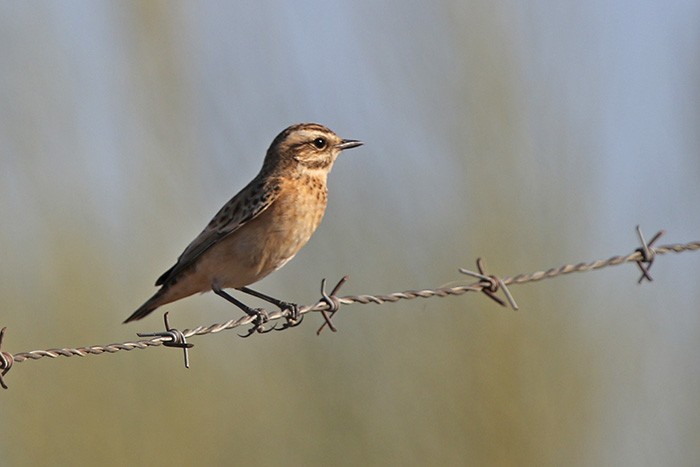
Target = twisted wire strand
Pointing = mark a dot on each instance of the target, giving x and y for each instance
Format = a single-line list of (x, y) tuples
[(637, 256)]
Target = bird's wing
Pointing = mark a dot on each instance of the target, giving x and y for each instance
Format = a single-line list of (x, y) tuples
[(252, 200)]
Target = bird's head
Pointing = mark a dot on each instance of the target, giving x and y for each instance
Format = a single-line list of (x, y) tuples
[(306, 147)]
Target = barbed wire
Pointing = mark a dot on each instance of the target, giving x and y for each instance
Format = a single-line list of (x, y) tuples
[(329, 304)]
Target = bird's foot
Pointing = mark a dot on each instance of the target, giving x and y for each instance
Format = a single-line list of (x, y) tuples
[(259, 314), (288, 309), (260, 318), (292, 309), (293, 317)]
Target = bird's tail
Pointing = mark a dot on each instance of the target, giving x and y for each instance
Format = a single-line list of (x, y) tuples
[(151, 304)]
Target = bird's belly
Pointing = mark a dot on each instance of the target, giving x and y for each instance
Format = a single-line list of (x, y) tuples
[(264, 244)]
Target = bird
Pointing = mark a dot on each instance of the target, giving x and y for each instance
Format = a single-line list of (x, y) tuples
[(262, 227)]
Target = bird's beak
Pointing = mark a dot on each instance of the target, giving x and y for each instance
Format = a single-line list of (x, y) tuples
[(348, 144)]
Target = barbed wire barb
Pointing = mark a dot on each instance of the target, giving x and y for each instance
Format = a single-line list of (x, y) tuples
[(175, 338), (491, 284), (330, 303), (647, 253), (333, 303), (6, 360)]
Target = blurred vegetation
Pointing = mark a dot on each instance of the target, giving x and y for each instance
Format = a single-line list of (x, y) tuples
[(529, 134)]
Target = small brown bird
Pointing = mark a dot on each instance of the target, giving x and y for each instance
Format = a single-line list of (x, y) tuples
[(262, 227)]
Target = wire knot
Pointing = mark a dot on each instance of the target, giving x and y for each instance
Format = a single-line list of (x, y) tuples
[(491, 284), (647, 254), (333, 303), (175, 339), (6, 360)]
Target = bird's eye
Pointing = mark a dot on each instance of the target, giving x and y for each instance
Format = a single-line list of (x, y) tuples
[(320, 143)]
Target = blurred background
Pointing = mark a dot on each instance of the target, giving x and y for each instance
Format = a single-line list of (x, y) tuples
[(532, 134)]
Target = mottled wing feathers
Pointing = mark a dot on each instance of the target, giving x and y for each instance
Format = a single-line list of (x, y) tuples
[(256, 197)]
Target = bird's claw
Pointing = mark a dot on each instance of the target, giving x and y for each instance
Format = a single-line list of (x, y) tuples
[(290, 323), (292, 310), (261, 317), (292, 316)]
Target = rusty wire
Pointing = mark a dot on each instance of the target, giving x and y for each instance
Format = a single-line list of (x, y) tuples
[(489, 284)]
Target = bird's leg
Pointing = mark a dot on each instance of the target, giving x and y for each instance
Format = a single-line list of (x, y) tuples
[(260, 314), (282, 305)]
